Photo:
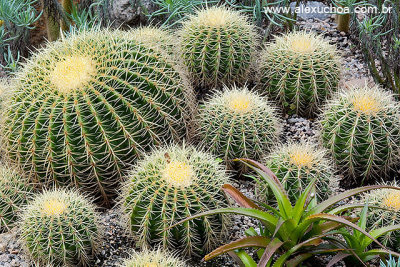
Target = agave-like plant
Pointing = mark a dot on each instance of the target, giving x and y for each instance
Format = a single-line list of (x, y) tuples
[(289, 234)]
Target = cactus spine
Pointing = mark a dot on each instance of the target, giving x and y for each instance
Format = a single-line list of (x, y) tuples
[(156, 258), (60, 228), (361, 129), (172, 184), (300, 71), (218, 46), (237, 123), (296, 165), (86, 108)]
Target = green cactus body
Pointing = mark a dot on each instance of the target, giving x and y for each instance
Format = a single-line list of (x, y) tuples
[(300, 71), (237, 123), (156, 258), (170, 185), (15, 192), (60, 228), (84, 109), (218, 46), (361, 129), (296, 165)]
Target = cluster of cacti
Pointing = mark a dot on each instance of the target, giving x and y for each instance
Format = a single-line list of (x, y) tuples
[(170, 185), (361, 129), (300, 71), (388, 213), (218, 46), (296, 165), (85, 108), (15, 192), (237, 123), (155, 258), (60, 228)]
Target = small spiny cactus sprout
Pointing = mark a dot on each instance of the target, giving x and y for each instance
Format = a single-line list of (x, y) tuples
[(85, 108), (388, 214), (15, 192), (218, 46), (237, 123), (361, 129), (60, 228), (300, 71), (170, 185), (153, 258), (296, 165)]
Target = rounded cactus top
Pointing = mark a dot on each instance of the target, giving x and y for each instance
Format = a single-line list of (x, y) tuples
[(215, 17), (156, 258), (386, 198)]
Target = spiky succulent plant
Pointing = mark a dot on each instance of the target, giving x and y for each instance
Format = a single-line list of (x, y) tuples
[(60, 228), (237, 123), (218, 46), (169, 185), (15, 192), (156, 38), (300, 71), (296, 165), (155, 258), (361, 129), (84, 109)]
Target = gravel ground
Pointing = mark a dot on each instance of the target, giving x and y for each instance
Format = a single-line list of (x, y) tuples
[(117, 245)]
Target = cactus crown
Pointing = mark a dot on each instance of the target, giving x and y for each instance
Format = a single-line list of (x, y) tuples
[(303, 43), (178, 174), (392, 200), (156, 258), (239, 101), (366, 101), (54, 207), (216, 17), (301, 158)]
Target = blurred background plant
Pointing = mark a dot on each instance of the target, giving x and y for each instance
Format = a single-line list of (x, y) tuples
[(391, 262)]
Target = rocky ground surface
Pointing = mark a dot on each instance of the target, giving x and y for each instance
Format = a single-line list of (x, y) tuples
[(117, 245)]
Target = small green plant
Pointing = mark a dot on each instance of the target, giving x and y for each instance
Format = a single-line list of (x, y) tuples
[(391, 262), (85, 108), (169, 185), (361, 129), (15, 192), (238, 123), (218, 46), (288, 234), (300, 71), (155, 258), (296, 165), (60, 228)]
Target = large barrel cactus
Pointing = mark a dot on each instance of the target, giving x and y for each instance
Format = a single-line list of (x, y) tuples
[(170, 185), (218, 46), (85, 108), (361, 129), (300, 71)]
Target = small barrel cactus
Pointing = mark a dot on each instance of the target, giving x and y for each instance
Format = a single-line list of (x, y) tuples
[(60, 228), (15, 192), (218, 46), (156, 258), (389, 214), (296, 165), (237, 123), (170, 185), (300, 71), (361, 129), (84, 109)]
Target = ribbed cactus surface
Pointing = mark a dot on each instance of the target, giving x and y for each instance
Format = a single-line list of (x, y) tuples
[(84, 109), (60, 228), (238, 123), (15, 192), (296, 165), (155, 258), (361, 129), (300, 71), (170, 185), (218, 46)]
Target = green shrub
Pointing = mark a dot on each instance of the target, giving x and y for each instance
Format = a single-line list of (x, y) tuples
[(361, 129), (237, 123), (156, 258), (60, 228), (15, 191), (218, 47), (300, 71), (171, 184), (296, 165), (86, 108)]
